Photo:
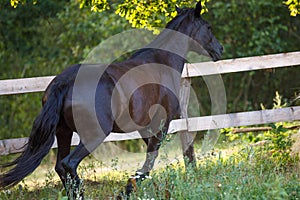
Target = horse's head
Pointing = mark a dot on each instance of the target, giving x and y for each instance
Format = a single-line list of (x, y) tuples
[(202, 39)]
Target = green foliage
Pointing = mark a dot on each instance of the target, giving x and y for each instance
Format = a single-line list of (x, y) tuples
[(277, 141), (279, 144), (259, 31), (266, 28)]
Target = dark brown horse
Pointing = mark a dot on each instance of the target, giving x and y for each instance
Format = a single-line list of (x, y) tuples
[(140, 93)]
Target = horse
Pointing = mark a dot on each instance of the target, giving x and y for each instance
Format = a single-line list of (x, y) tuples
[(140, 93)]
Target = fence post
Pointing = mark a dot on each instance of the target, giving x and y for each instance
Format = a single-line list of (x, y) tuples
[(187, 138)]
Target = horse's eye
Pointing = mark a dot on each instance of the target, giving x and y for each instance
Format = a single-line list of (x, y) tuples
[(209, 27)]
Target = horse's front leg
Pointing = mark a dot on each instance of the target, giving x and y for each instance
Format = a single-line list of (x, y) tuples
[(153, 146)]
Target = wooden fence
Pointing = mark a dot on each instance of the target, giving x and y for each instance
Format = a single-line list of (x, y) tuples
[(27, 85)]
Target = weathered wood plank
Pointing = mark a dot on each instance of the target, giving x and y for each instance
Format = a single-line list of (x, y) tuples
[(16, 145), (38, 84), (194, 124), (24, 85), (10, 146), (242, 64), (244, 119)]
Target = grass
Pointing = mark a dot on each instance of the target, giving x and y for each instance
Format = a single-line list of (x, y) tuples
[(240, 176), (245, 173)]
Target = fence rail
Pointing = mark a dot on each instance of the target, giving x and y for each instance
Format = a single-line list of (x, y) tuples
[(17, 86), (39, 84)]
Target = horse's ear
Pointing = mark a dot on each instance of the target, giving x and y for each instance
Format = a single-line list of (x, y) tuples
[(178, 9), (198, 9)]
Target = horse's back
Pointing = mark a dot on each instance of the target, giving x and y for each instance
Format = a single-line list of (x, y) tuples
[(66, 78)]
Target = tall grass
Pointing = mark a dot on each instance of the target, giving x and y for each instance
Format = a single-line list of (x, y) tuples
[(248, 173)]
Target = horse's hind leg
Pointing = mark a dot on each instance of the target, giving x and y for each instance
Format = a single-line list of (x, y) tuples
[(71, 179), (71, 162), (64, 138)]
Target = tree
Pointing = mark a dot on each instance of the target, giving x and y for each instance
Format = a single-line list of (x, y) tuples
[(147, 14), (140, 14)]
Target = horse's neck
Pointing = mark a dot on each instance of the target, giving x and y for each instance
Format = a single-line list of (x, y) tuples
[(169, 48)]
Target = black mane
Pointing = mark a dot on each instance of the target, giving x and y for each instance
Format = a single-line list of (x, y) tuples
[(174, 24), (177, 21)]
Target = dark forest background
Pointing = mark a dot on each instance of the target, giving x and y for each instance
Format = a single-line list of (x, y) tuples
[(44, 37)]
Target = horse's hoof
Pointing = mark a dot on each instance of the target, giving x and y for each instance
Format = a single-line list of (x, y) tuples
[(122, 196), (131, 186)]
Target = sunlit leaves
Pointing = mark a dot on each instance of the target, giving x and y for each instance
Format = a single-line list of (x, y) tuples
[(150, 14), (15, 3), (294, 7), (145, 8), (142, 14), (95, 5)]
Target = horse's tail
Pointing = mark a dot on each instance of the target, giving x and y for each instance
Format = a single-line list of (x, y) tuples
[(40, 140)]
